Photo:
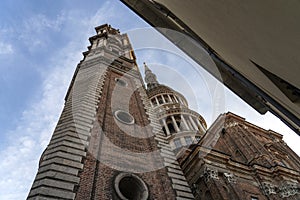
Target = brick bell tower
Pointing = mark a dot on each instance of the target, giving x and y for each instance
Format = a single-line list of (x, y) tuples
[(108, 143)]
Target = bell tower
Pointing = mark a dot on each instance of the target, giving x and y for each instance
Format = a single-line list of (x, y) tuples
[(108, 143)]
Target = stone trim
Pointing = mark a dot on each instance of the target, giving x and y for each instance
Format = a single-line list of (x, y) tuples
[(143, 187), (268, 188), (230, 177), (58, 173), (210, 173), (288, 189)]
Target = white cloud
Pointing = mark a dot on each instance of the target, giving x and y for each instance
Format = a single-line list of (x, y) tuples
[(31, 136), (41, 22), (6, 48), (27, 141), (35, 29)]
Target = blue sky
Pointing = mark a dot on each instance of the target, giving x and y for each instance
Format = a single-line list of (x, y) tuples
[(40, 45)]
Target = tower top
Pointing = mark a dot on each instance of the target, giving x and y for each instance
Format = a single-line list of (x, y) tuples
[(106, 28), (150, 78)]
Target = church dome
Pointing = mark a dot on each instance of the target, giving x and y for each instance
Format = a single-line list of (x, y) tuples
[(181, 125), (162, 89)]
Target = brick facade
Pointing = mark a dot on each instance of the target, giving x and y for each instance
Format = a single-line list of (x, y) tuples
[(108, 160), (238, 160)]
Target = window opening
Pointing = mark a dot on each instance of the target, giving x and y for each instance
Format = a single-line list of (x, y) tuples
[(177, 143), (166, 98), (160, 101), (171, 127), (154, 102), (188, 140)]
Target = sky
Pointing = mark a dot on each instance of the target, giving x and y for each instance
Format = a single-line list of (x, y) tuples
[(41, 43)]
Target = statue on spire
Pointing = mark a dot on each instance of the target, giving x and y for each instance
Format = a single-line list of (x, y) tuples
[(150, 78)]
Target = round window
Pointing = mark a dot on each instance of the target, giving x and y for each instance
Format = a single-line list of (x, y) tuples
[(131, 187), (124, 117)]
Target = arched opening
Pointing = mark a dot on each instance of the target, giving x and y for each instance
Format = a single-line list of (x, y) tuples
[(171, 127), (173, 98), (154, 103), (178, 124), (164, 130), (166, 98), (160, 100)]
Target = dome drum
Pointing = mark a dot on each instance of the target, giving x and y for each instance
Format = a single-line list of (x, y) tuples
[(174, 124), (167, 98)]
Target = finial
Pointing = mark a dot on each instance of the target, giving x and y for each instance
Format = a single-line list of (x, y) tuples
[(146, 67), (150, 77)]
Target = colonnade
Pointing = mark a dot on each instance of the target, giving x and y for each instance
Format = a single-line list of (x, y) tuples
[(177, 123), (166, 98)]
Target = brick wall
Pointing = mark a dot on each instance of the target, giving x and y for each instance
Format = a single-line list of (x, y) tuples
[(109, 142)]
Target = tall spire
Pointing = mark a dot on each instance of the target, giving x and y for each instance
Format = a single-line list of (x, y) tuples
[(150, 78)]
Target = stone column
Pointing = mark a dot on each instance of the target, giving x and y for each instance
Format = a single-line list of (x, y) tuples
[(193, 123), (200, 125), (175, 124), (151, 104), (176, 99), (189, 124), (170, 98), (162, 96), (179, 100), (166, 126), (156, 100), (184, 122)]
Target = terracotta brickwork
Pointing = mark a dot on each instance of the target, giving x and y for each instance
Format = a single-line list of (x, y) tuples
[(238, 160), (98, 175)]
